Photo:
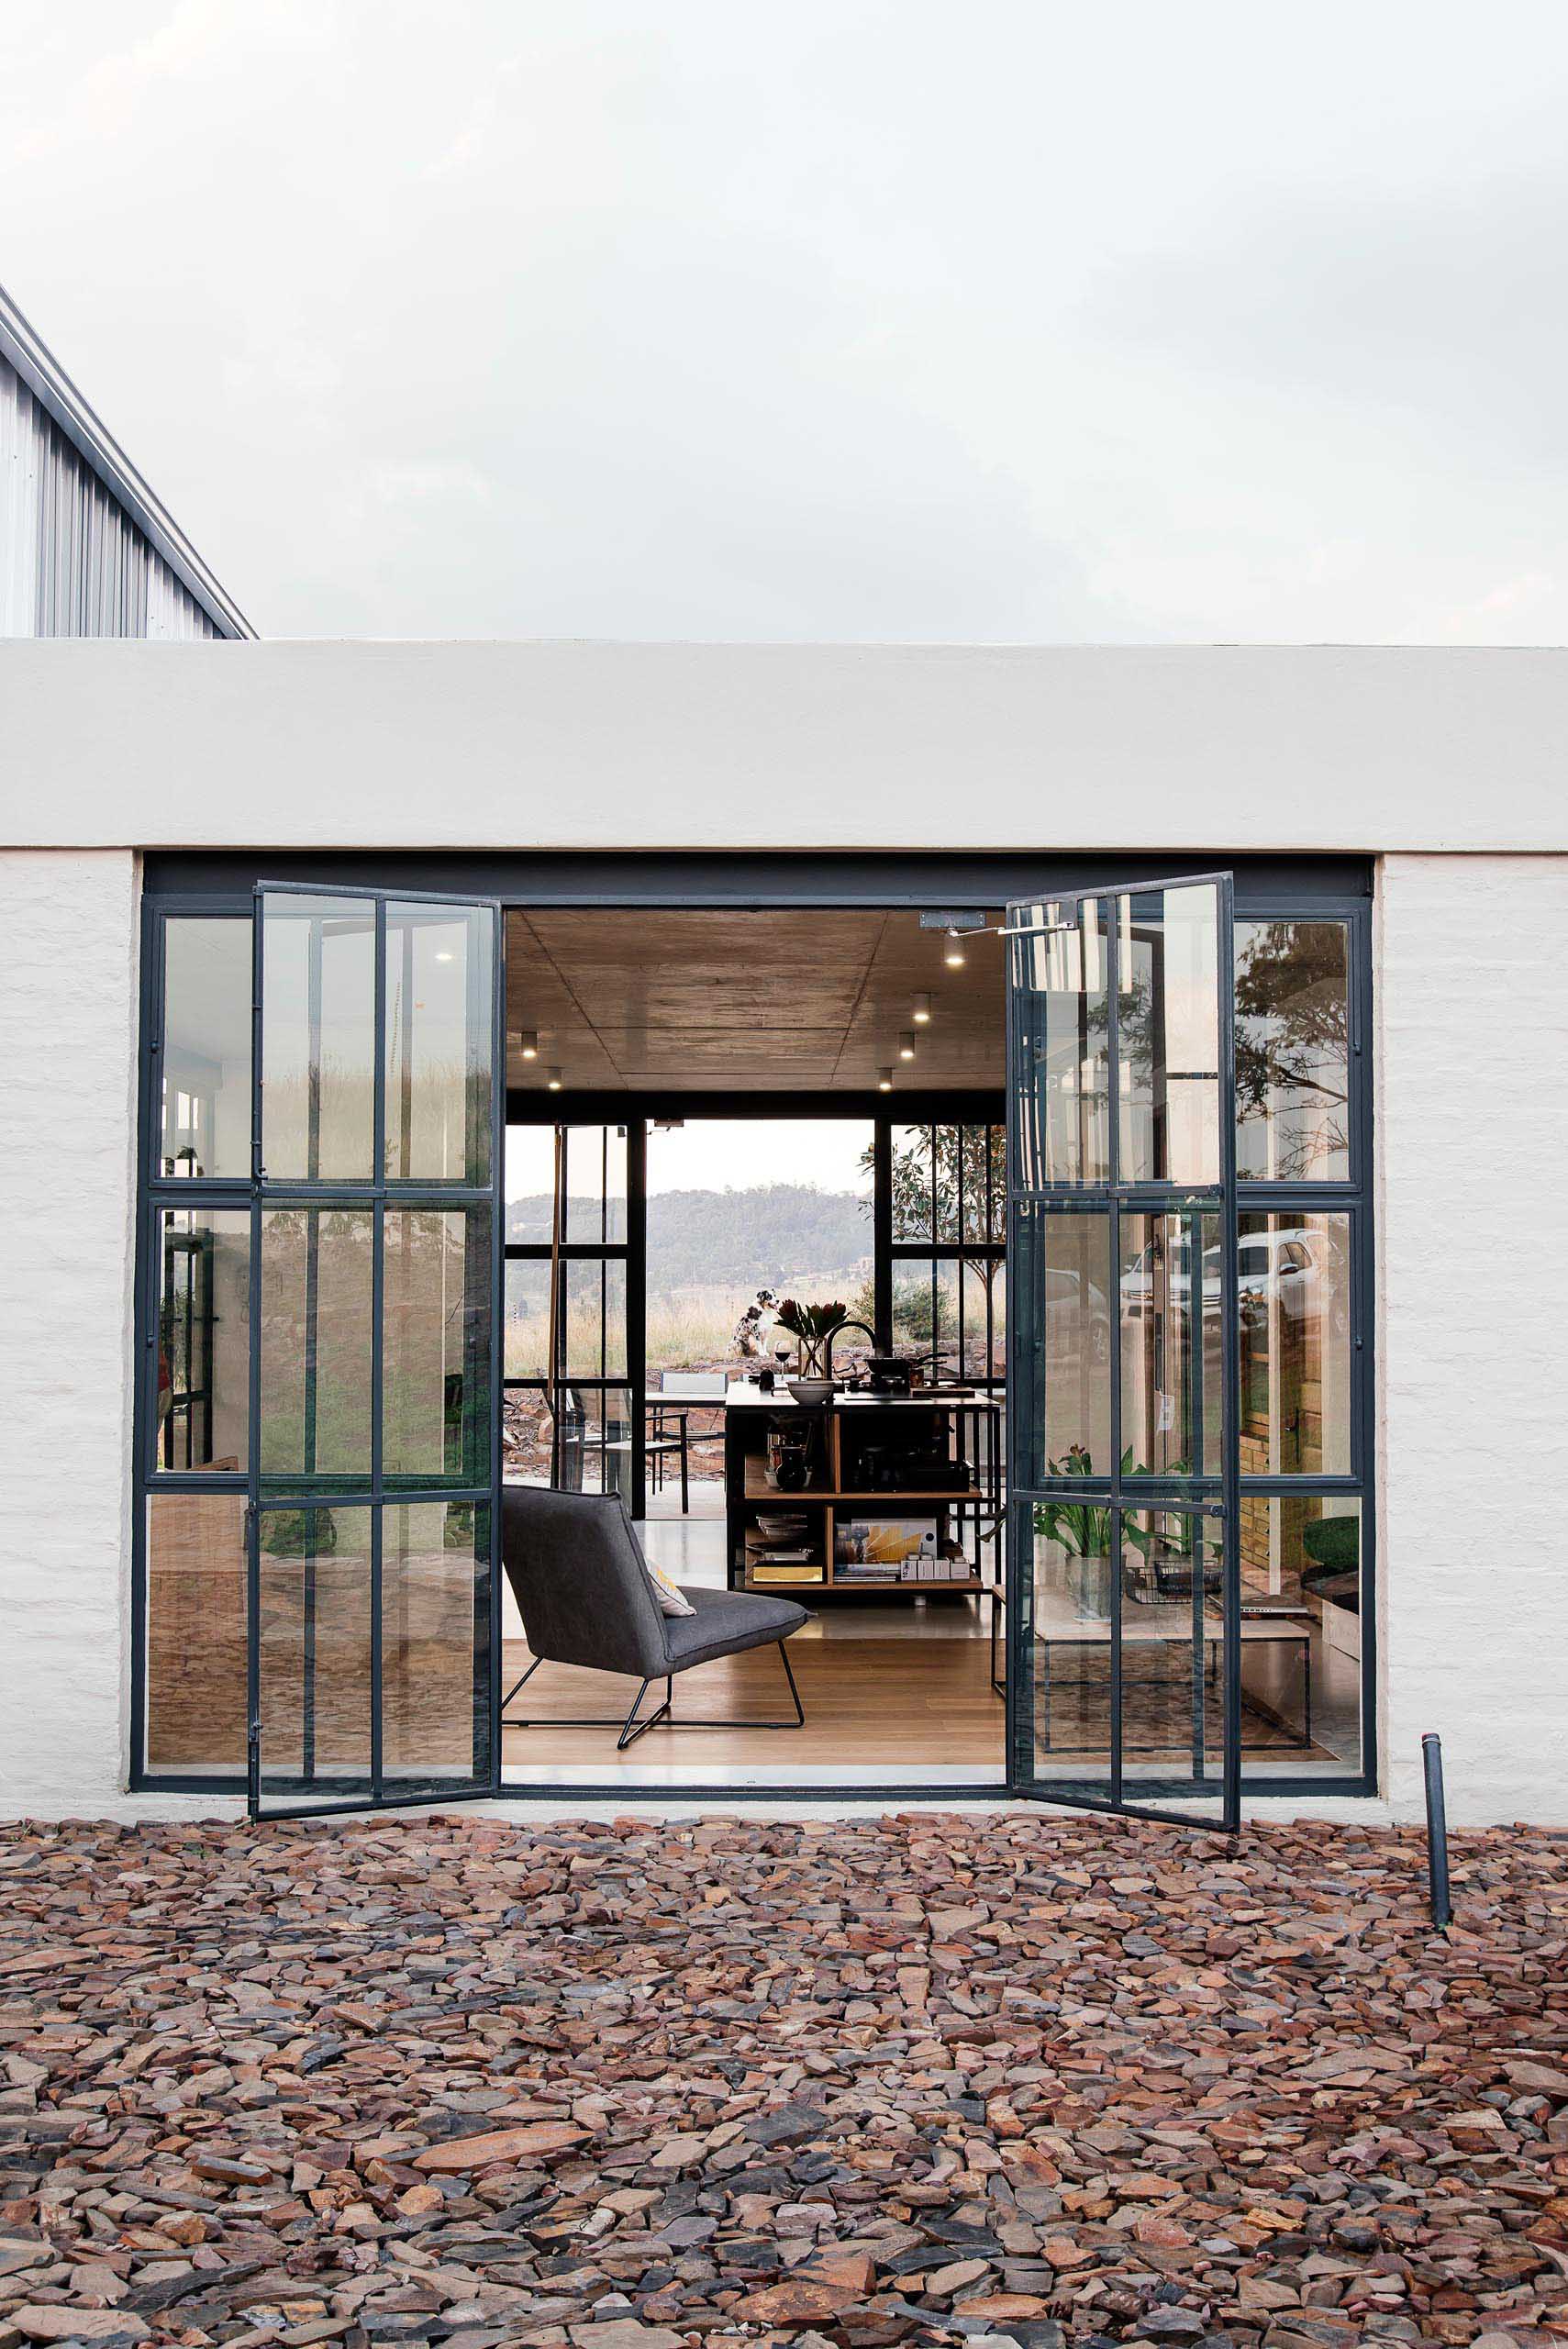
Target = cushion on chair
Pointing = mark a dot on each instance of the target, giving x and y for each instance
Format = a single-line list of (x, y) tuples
[(722, 1622)]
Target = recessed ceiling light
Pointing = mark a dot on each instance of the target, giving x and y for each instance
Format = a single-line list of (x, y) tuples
[(885, 1080), (443, 954), (906, 1045), (553, 1080), (922, 1010), (526, 1042), (953, 955)]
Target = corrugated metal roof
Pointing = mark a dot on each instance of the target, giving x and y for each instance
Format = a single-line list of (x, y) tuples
[(85, 547)]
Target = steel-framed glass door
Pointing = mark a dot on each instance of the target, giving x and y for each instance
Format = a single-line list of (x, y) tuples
[(1125, 1628), (373, 1516)]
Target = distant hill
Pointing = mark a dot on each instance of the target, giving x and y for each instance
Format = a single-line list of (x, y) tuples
[(759, 1236)]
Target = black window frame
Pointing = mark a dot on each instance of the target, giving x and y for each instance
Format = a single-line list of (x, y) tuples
[(1267, 888)]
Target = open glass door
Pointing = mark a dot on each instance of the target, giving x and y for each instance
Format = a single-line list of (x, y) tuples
[(373, 1521), (1124, 1508)]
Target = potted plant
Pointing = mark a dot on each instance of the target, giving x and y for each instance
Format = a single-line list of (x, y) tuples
[(1083, 1528), (814, 1328)]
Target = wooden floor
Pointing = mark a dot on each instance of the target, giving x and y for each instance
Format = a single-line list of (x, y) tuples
[(893, 1705)]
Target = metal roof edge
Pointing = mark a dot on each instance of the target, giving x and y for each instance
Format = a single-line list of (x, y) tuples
[(95, 444)]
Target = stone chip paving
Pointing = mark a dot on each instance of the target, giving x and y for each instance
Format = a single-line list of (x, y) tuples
[(633, 2085)]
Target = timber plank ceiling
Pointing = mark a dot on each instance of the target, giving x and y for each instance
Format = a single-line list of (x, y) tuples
[(789, 1000)]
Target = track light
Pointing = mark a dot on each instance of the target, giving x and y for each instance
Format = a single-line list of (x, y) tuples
[(885, 1080), (553, 1080), (906, 1045), (922, 1010), (953, 955)]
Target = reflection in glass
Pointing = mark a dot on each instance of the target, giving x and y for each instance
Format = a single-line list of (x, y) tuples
[(195, 1631), (315, 1336), (1156, 1722), (203, 1339), (1063, 1288), (1173, 1627), (1301, 1583), (436, 1416), (1168, 1034), (1067, 1644), (1291, 1050), (1173, 1384), (205, 1059), (318, 1037), (1060, 975), (439, 974), (314, 1651), (435, 1629), (1294, 1280)]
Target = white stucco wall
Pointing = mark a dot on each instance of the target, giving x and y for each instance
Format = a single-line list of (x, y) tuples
[(781, 746), (68, 996), (1448, 765), (1472, 1086)]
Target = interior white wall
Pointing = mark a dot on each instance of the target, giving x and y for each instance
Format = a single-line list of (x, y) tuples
[(781, 746), (1473, 1145), (68, 1006)]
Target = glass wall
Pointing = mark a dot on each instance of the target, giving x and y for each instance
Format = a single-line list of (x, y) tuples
[(570, 1411), (948, 1225), (194, 1405), (1305, 1350)]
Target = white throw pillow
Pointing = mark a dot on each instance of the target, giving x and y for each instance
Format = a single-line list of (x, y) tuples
[(667, 1593)]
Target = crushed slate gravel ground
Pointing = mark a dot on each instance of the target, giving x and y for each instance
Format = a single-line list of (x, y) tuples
[(634, 2085)]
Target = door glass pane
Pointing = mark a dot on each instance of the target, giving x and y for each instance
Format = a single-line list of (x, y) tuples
[(913, 1174), (436, 1399), (1301, 1573), (595, 1183), (925, 1315), (316, 1345), (435, 1642), (1063, 1292), (314, 1654), (204, 1336), (205, 1060), (1168, 1034), (594, 1293), (195, 1631), (1062, 1008), (439, 975), (1172, 1679), (1294, 1281), (982, 1296), (527, 1317), (530, 1182), (592, 1452), (1293, 1051), (1172, 1385), (1064, 1650), (318, 1037)]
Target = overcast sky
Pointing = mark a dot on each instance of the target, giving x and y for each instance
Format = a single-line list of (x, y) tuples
[(1133, 320)]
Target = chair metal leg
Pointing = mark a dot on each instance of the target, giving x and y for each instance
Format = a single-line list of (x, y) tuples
[(685, 1473), (661, 1716)]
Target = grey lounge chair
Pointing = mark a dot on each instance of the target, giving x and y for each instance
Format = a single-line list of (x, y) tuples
[(576, 1572)]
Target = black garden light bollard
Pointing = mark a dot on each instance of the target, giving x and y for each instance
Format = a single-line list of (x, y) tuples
[(1437, 1830)]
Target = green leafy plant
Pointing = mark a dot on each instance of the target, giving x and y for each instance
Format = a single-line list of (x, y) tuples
[(1084, 1528)]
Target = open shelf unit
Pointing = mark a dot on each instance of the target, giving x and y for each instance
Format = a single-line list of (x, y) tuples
[(827, 1501)]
